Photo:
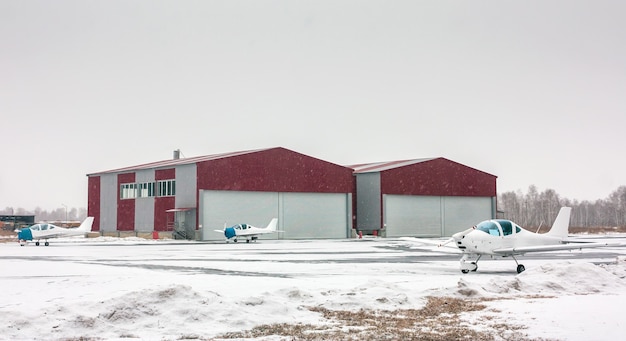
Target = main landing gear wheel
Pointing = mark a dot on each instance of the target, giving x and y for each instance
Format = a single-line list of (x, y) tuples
[(46, 244), (37, 243), (520, 267)]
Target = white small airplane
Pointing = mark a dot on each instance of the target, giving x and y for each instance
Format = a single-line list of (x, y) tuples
[(248, 231), (504, 238), (47, 231)]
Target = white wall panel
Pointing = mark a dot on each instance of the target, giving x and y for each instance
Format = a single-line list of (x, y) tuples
[(108, 202), (433, 216), (461, 213), (144, 207), (314, 215), (186, 186), (410, 215)]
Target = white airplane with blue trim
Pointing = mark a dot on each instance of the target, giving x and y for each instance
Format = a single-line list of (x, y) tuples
[(43, 231), (504, 238), (247, 231)]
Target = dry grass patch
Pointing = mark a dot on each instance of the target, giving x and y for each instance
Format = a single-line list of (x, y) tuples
[(438, 320)]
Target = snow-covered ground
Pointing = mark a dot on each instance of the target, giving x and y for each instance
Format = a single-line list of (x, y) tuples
[(109, 288)]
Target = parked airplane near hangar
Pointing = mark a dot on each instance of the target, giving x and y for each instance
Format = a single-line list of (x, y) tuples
[(504, 238), (248, 231), (38, 232)]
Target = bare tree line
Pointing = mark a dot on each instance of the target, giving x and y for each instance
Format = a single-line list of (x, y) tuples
[(534, 208), (59, 214)]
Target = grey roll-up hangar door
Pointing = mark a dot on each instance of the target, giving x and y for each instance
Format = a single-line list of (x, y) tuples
[(433, 216), (300, 215)]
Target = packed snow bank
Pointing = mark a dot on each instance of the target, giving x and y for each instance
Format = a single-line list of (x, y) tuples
[(566, 301), (552, 279), (176, 311)]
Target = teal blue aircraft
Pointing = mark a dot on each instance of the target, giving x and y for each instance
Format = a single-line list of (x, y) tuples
[(45, 231)]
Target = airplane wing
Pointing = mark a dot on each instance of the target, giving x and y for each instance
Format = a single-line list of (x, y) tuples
[(544, 248), (435, 245), (426, 241)]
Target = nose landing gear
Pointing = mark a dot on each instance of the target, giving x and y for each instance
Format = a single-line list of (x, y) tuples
[(469, 266)]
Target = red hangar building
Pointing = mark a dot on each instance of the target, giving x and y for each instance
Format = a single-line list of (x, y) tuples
[(191, 197)]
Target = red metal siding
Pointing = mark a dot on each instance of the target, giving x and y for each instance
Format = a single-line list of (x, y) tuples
[(275, 170), (125, 207), (93, 201), (165, 174), (162, 204), (439, 177)]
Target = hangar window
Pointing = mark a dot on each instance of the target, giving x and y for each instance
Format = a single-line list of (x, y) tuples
[(146, 189), (128, 191), (166, 188), (163, 188)]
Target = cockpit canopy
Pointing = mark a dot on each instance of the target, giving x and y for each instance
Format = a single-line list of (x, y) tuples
[(498, 227), (42, 227), (241, 227)]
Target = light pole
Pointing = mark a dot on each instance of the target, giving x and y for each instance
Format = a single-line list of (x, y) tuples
[(65, 214)]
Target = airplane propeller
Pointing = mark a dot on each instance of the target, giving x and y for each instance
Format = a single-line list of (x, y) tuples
[(446, 242), (458, 236)]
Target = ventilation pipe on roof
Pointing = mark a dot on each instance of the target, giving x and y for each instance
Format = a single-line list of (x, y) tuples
[(176, 154)]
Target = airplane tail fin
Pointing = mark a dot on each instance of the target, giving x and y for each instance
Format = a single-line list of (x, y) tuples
[(272, 225), (560, 228), (86, 225)]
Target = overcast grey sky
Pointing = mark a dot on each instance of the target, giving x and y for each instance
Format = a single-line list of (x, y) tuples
[(531, 91)]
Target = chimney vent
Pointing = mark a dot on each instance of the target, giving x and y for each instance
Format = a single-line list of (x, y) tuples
[(176, 154)]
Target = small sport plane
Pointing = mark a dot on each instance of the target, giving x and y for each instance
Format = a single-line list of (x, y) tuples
[(248, 231), (47, 231), (504, 238)]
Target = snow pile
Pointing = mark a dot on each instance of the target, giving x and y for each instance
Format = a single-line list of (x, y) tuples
[(373, 294), (173, 311), (552, 279)]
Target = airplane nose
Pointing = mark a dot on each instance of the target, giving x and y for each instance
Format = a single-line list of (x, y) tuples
[(229, 232), (462, 234), (458, 235)]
